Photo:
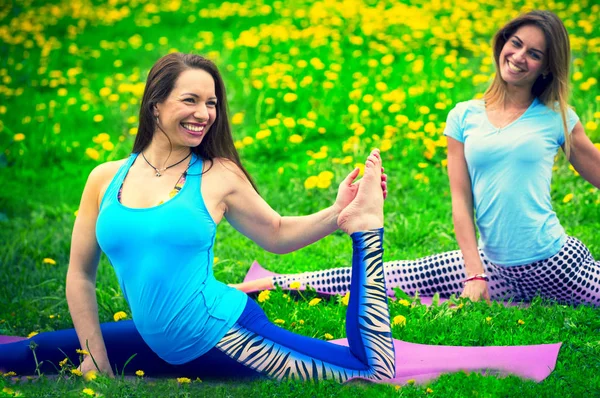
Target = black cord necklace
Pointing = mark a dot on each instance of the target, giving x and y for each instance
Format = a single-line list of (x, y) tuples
[(159, 171)]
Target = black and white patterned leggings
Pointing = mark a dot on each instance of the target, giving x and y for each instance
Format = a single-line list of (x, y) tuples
[(571, 276)]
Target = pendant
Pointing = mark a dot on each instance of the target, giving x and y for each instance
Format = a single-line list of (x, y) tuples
[(158, 173)]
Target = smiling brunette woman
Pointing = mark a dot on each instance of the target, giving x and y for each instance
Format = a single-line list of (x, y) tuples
[(500, 155), (155, 217)]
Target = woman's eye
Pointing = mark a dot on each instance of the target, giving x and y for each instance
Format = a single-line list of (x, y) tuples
[(516, 43), (190, 100), (535, 56), (212, 103)]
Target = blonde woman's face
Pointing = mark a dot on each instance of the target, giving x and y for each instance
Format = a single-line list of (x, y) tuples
[(523, 57)]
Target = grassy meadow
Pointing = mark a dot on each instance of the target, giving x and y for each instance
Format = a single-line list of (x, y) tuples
[(312, 86)]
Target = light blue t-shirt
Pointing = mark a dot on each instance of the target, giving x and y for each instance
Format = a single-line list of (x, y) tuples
[(163, 259), (511, 171)]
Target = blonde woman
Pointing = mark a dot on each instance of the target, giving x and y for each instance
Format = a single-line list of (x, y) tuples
[(501, 150)]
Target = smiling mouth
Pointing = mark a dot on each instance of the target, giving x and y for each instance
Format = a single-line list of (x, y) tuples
[(514, 67), (193, 127)]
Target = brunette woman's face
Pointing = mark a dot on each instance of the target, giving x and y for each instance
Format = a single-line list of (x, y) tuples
[(190, 109), (524, 56)]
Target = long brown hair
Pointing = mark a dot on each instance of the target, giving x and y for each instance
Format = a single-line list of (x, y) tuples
[(218, 141), (551, 88)]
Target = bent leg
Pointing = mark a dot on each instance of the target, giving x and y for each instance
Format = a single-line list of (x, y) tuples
[(439, 273), (571, 276), (280, 354), (284, 355)]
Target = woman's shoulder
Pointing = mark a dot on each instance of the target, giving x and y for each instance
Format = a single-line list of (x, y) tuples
[(225, 172), (104, 173)]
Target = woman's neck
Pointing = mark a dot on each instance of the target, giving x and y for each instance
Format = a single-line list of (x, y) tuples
[(517, 97), (162, 154)]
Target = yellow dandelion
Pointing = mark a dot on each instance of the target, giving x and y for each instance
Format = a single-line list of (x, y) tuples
[(247, 140), (353, 108), (18, 137), (591, 126), (387, 59), (92, 153), (346, 299), (279, 321), (488, 319), (139, 373), (76, 372), (399, 320), (295, 285), (49, 261), (568, 197), (328, 336), (290, 97), (90, 375), (30, 335), (183, 380), (82, 352), (428, 391), (264, 296), (238, 118), (314, 302), (324, 184), (410, 382), (88, 391), (521, 322), (8, 391), (119, 316), (404, 302), (9, 374), (295, 139), (63, 362), (289, 122), (108, 146), (386, 145), (98, 118), (311, 182)]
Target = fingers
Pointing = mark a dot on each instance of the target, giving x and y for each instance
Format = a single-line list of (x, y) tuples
[(352, 176)]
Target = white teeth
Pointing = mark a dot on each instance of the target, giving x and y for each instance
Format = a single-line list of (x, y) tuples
[(193, 127), (513, 67)]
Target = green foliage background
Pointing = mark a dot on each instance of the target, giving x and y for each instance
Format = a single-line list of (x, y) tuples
[(312, 86)]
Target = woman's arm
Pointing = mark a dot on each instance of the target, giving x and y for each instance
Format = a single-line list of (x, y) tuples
[(81, 276), (462, 216), (247, 212), (585, 157)]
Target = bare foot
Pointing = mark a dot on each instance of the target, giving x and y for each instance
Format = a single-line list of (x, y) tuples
[(366, 210), (255, 285)]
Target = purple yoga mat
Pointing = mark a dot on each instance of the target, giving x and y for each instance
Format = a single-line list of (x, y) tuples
[(10, 339), (422, 363)]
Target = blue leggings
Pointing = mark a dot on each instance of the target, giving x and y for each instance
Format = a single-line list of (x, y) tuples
[(253, 346)]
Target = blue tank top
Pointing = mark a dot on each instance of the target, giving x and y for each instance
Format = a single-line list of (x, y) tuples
[(163, 258)]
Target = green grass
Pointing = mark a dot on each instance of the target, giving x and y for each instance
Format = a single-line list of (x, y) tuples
[(267, 44)]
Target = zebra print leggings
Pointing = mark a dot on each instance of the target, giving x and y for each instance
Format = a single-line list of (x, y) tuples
[(571, 276), (253, 346)]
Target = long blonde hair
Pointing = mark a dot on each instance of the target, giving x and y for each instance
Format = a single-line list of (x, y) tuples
[(552, 88)]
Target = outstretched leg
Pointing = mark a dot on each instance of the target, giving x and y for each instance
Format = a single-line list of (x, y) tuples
[(270, 350)]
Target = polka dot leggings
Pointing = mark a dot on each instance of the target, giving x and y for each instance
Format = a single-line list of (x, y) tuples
[(571, 276)]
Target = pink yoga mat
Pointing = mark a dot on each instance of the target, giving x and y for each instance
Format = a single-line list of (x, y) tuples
[(422, 363)]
